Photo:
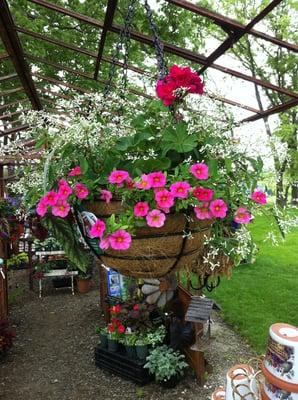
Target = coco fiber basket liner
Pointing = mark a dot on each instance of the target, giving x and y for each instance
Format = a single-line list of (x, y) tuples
[(154, 252)]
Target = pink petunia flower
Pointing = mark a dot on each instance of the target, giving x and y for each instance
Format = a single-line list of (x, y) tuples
[(202, 211), (51, 198), (157, 179), (242, 216), (141, 209), (41, 208), (64, 191), (144, 183), (81, 191), (61, 208), (104, 244), (180, 189), (97, 229), (155, 219), (75, 171), (106, 195), (199, 171), (259, 197), (218, 208), (203, 194), (120, 240), (164, 199), (62, 182), (118, 177)]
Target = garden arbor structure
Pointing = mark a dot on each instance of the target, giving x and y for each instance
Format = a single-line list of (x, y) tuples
[(30, 80)]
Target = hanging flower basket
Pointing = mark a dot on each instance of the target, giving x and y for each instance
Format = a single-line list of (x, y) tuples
[(154, 252)]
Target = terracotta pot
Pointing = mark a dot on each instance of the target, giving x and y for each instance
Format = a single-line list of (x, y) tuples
[(154, 252), (219, 394), (83, 285)]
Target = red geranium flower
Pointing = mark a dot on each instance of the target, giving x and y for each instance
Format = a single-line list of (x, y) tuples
[(136, 307), (111, 328), (121, 328)]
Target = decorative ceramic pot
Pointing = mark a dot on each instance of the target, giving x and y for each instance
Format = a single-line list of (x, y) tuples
[(281, 359), (112, 345), (219, 394), (240, 383), (276, 389), (275, 393)]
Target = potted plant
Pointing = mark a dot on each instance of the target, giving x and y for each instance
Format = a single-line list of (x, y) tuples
[(156, 336), (166, 365), (115, 333), (83, 282), (130, 344), (142, 346), (18, 261)]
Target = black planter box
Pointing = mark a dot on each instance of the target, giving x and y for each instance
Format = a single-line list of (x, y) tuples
[(118, 363)]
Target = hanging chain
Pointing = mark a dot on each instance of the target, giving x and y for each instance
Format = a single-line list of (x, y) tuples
[(122, 44), (161, 63)]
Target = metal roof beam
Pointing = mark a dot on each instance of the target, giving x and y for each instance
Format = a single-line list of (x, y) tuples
[(9, 115), (230, 24), (14, 49), (8, 77), (109, 16), (236, 36), (272, 110), (14, 130), (80, 50), (61, 83), (11, 91), (12, 104), (183, 53)]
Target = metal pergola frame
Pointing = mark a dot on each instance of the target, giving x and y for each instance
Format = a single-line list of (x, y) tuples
[(35, 94)]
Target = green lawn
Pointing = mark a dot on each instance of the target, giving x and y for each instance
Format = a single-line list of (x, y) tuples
[(263, 293)]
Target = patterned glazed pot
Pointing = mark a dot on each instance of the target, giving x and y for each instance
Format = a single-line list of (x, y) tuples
[(277, 389), (241, 383), (275, 393), (219, 394), (281, 359)]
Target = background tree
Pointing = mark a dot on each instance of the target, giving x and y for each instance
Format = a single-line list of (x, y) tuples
[(279, 66)]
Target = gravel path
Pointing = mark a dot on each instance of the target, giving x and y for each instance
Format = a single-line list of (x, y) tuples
[(52, 358)]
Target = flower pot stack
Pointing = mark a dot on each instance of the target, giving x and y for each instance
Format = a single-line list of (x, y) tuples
[(240, 384), (280, 366)]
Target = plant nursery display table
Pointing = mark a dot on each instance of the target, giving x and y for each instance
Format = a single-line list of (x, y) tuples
[(58, 273)]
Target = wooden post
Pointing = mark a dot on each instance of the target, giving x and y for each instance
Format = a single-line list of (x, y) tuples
[(103, 292), (196, 359)]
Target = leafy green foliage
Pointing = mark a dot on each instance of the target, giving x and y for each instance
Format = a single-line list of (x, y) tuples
[(165, 363), (64, 231), (177, 138)]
